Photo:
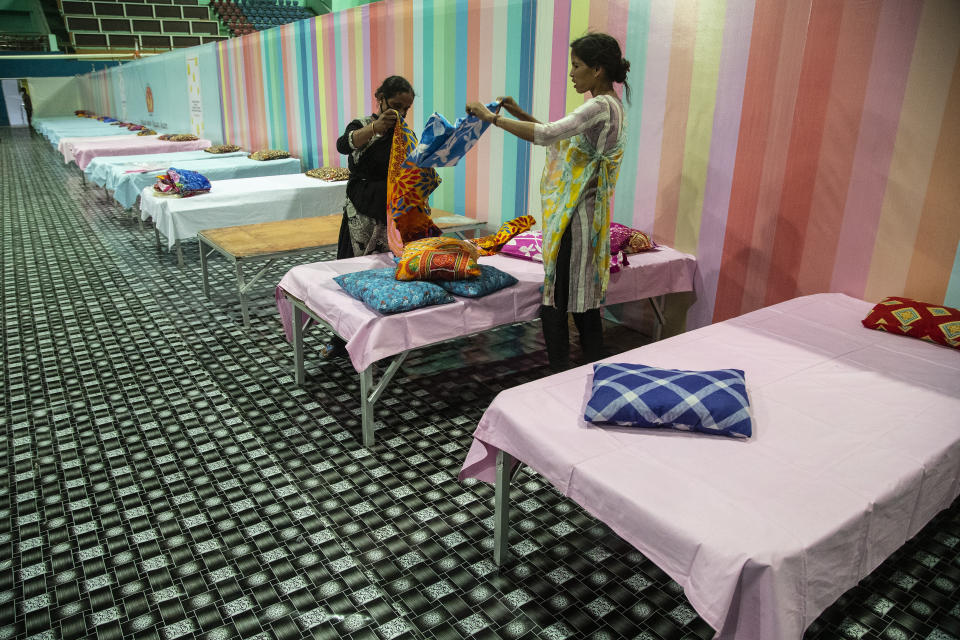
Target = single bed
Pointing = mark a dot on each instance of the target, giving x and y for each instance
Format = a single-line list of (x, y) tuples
[(856, 447), (83, 151), (309, 291), (105, 171), (239, 202), (55, 129), (130, 182)]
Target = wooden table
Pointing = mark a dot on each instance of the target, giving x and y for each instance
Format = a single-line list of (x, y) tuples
[(272, 240)]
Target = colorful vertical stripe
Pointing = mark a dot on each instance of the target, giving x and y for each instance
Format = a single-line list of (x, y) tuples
[(795, 146)]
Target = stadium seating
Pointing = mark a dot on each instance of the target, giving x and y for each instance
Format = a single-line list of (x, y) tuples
[(139, 24)]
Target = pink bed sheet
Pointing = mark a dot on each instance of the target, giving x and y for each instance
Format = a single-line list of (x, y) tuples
[(371, 336), (856, 447), (83, 152)]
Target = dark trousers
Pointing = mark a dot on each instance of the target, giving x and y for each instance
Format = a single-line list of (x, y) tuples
[(344, 250), (556, 331)]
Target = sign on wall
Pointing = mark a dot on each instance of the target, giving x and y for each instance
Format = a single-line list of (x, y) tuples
[(193, 95)]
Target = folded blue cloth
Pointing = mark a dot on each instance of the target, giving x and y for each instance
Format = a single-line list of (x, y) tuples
[(443, 144), (182, 182)]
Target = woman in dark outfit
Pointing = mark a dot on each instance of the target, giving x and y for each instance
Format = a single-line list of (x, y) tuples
[(366, 142), (27, 106)]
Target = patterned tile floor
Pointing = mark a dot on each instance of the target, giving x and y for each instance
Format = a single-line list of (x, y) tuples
[(163, 478)]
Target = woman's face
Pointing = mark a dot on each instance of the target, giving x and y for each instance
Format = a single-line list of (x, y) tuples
[(583, 77), (399, 102)]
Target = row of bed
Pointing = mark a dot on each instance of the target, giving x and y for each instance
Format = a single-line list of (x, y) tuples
[(856, 438)]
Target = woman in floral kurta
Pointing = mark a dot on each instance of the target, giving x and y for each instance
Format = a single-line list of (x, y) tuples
[(583, 161)]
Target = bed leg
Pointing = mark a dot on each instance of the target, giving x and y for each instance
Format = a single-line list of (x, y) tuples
[(366, 405), (299, 374), (241, 291), (657, 304), (203, 270), (501, 508)]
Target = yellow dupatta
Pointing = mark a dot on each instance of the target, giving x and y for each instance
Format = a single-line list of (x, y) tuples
[(408, 191), (571, 165)]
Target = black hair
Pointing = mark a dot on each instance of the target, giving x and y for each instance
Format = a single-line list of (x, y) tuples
[(392, 86), (602, 50)]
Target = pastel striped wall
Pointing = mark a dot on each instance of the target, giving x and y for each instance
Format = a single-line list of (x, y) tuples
[(795, 146)]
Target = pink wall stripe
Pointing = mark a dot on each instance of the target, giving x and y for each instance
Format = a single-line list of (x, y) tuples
[(855, 49), (803, 155), (793, 36), (677, 109), (896, 34), (484, 92), (291, 92), (723, 155), (330, 93), (368, 81), (560, 66), (654, 92)]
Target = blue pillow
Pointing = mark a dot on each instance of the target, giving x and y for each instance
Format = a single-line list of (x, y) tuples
[(490, 279), (379, 290), (637, 395)]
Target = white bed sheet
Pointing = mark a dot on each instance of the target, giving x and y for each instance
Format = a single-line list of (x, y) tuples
[(372, 336), (128, 186), (856, 447), (242, 201), (106, 170)]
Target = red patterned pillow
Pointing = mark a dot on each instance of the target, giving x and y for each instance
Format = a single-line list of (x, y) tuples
[(930, 322)]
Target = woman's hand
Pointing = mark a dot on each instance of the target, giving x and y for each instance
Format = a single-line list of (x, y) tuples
[(385, 121), (508, 103), (480, 110)]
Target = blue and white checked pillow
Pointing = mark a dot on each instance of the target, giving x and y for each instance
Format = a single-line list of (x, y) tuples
[(637, 395)]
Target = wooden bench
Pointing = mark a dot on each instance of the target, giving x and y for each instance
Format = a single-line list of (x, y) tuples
[(272, 240)]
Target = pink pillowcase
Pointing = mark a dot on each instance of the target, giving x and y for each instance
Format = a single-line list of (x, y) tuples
[(529, 246)]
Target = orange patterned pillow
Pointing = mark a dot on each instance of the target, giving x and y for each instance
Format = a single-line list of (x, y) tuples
[(903, 316), (438, 259)]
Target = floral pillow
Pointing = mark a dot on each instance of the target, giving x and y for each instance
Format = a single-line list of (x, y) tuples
[(438, 259), (379, 290), (907, 317), (222, 148), (527, 245), (489, 245), (627, 240), (178, 137), (269, 154), (330, 174), (491, 279)]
